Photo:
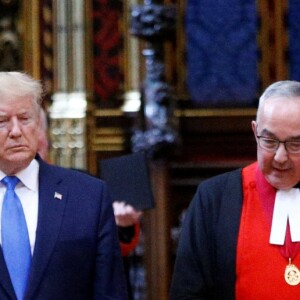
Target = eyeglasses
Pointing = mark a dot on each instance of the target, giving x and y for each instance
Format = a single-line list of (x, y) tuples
[(271, 145)]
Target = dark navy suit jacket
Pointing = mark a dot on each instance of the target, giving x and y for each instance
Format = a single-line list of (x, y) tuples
[(77, 253)]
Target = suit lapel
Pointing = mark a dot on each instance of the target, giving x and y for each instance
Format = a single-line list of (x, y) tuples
[(52, 202)]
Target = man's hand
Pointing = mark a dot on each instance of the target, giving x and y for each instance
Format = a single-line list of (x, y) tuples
[(125, 214)]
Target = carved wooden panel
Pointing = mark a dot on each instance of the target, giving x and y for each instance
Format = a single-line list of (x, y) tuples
[(11, 49)]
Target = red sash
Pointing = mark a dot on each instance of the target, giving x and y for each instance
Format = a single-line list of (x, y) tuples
[(260, 266)]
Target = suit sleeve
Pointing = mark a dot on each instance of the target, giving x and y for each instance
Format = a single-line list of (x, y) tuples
[(110, 280)]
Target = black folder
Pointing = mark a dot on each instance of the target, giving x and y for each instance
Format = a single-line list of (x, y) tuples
[(128, 179)]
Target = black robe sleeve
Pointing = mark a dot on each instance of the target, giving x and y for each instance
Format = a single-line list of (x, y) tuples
[(206, 254)]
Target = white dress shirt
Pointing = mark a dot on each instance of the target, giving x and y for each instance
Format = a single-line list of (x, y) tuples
[(27, 190)]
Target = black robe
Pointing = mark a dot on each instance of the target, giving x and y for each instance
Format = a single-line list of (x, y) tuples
[(205, 266)]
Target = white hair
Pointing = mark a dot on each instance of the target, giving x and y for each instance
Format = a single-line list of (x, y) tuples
[(18, 84), (281, 90)]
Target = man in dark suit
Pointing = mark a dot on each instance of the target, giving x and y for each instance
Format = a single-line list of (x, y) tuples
[(71, 231)]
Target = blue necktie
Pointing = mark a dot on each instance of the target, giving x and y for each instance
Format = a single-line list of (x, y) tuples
[(15, 240)]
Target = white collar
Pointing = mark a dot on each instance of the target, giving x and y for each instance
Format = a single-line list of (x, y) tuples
[(286, 208), (28, 176)]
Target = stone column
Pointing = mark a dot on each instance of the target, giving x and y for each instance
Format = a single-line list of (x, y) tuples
[(68, 110)]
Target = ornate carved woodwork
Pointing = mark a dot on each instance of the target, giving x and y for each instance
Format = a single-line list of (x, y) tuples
[(157, 135)]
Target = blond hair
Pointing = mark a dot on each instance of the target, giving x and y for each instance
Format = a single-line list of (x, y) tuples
[(18, 84)]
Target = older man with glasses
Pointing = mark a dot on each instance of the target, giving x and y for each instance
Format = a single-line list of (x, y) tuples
[(241, 235)]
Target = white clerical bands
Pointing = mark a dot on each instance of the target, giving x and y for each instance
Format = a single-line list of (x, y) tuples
[(286, 208)]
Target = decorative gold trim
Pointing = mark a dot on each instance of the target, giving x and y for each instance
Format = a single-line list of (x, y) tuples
[(272, 41), (31, 37), (181, 49), (89, 49), (108, 130), (108, 113), (131, 60), (107, 148), (108, 141), (203, 113), (213, 112)]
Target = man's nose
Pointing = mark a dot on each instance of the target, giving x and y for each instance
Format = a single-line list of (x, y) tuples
[(15, 129), (281, 155)]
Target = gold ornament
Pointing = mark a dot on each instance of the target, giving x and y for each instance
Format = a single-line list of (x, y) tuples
[(292, 274)]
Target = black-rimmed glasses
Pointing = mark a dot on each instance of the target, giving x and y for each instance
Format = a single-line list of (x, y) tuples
[(271, 145)]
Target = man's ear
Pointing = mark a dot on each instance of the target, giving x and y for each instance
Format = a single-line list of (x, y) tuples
[(254, 128)]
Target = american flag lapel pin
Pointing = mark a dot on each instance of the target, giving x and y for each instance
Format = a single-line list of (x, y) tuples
[(57, 196)]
